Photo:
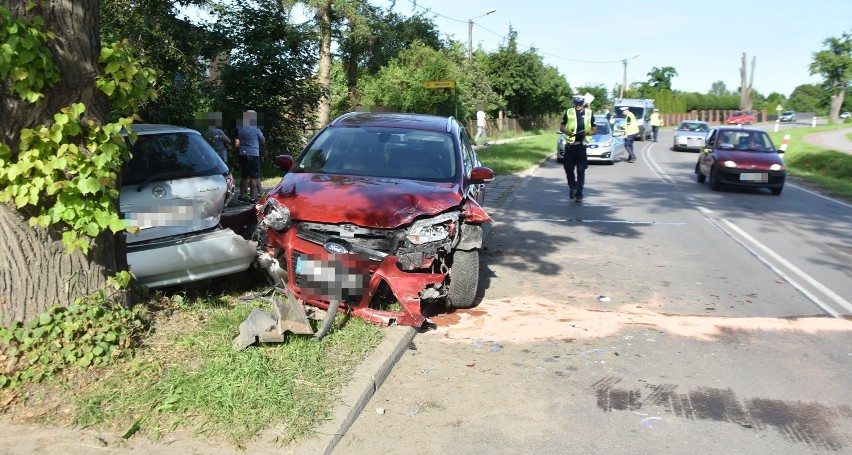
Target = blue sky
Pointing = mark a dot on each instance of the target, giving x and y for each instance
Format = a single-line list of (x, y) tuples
[(702, 40)]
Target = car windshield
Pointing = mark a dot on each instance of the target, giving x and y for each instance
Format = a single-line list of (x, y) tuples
[(788, 113), (603, 127), (748, 141), (694, 126), (382, 152), (171, 155), (636, 110)]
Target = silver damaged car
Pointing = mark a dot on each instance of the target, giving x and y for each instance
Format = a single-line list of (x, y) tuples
[(174, 190)]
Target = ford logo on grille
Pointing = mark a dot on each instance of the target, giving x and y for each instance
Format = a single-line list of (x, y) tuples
[(337, 246)]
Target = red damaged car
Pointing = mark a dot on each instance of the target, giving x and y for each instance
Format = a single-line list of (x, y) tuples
[(377, 203)]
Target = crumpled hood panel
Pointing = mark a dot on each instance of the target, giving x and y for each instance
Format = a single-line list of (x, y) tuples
[(364, 201)]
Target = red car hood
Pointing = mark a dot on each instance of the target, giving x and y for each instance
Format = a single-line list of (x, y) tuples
[(363, 201), (759, 161)]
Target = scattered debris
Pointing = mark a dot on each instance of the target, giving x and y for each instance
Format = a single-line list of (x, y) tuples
[(380, 411), (648, 421), (603, 298), (495, 347)]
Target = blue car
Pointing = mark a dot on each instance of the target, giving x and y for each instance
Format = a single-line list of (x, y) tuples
[(603, 147)]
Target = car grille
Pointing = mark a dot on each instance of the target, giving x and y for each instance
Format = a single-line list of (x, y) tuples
[(374, 242)]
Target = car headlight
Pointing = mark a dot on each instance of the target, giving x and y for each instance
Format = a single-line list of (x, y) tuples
[(776, 167), (606, 144), (432, 229), (729, 163), (275, 215)]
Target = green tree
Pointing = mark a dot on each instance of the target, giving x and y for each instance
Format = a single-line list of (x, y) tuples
[(60, 162), (718, 88), (400, 82), (176, 48), (601, 102), (515, 76), (660, 78), (835, 66), (810, 98), (270, 70)]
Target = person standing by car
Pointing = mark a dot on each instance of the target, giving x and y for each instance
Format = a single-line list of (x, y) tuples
[(481, 126), (577, 124), (630, 129), (249, 140), (655, 123), (219, 140)]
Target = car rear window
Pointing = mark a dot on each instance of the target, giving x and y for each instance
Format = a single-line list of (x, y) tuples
[(171, 155)]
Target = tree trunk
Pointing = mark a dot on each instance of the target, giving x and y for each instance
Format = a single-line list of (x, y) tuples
[(35, 271), (836, 105), (324, 18)]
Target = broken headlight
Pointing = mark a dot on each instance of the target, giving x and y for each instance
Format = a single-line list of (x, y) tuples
[(276, 216), (432, 229)]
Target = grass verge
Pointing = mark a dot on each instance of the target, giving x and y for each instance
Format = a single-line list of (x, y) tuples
[(186, 377), (828, 170)]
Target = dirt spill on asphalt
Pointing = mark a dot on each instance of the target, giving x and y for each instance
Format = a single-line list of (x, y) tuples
[(525, 319)]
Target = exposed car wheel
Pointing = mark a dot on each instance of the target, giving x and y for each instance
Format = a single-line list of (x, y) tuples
[(463, 279), (559, 160), (698, 175), (715, 181), (776, 191)]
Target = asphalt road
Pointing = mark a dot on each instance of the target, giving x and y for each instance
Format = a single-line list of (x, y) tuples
[(656, 317)]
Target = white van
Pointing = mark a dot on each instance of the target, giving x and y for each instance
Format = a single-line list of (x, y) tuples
[(642, 109)]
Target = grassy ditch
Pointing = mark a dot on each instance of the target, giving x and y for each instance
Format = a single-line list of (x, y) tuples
[(829, 171), (185, 377)]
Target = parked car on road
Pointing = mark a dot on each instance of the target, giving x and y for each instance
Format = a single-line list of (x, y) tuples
[(390, 204), (690, 135), (741, 157), (788, 116), (602, 147), (845, 115), (740, 118), (173, 192)]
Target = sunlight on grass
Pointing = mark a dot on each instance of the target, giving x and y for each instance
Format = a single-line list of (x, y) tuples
[(828, 170), (199, 382)]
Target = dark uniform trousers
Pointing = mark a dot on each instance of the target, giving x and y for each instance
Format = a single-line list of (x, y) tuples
[(575, 159)]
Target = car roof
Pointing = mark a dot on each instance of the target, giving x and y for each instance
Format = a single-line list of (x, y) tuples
[(738, 129), (395, 120), (151, 128)]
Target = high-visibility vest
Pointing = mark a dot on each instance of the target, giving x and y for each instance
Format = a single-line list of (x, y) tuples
[(655, 119), (630, 126), (572, 121)]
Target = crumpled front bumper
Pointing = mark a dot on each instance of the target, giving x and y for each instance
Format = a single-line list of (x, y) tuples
[(409, 287)]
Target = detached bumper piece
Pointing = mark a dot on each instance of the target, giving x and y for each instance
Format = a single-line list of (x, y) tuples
[(264, 327)]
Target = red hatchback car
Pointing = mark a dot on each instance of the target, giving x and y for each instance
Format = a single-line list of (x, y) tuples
[(378, 203), (742, 157), (740, 118)]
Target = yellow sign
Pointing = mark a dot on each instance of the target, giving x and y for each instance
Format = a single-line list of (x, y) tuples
[(439, 84)]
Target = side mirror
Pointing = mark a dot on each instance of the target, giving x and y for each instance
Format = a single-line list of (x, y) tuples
[(283, 162), (481, 174)]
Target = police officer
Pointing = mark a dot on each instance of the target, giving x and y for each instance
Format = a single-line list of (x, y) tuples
[(655, 123), (578, 124)]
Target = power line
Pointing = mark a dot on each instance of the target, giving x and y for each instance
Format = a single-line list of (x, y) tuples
[(503, 38)]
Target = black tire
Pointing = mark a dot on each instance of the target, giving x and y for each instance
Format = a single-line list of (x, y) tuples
[(715, 182), (328, 320), (463, 279), (698, 175), (776, 191)]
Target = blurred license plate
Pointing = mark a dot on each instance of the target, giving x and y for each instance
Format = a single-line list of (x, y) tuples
[(757, 177)]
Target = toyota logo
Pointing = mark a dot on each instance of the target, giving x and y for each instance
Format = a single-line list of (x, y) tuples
[(337, 246), (158, 192)]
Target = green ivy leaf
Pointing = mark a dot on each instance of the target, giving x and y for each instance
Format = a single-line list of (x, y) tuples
[(89, 185)]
